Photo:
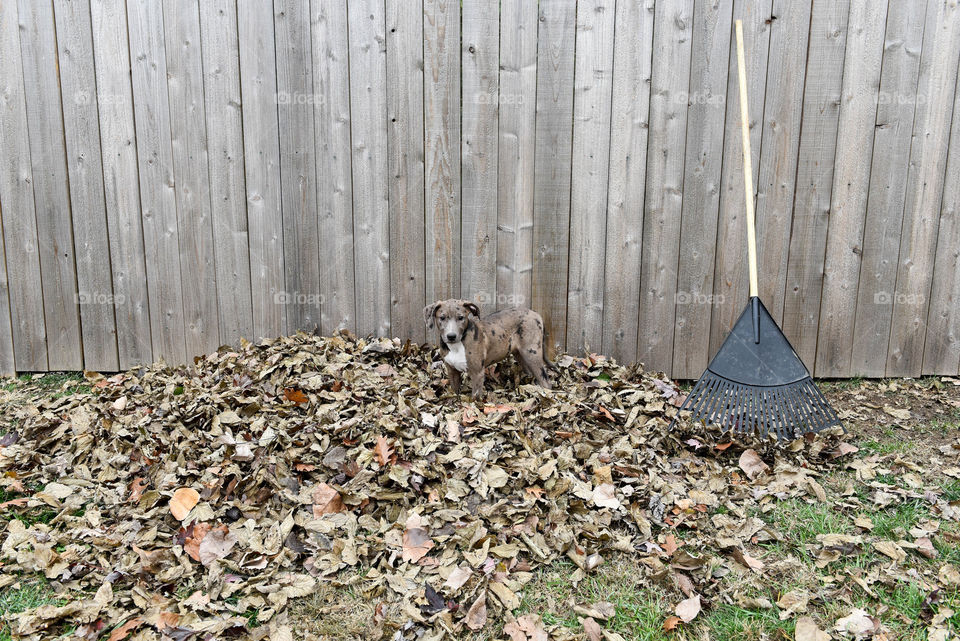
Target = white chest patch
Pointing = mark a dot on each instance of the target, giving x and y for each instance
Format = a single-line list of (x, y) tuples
[(456, 357)]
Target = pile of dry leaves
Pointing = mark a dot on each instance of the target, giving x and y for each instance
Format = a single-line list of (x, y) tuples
[(188, 498)]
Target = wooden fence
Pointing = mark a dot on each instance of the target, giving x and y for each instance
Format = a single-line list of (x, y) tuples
[(176, 175)]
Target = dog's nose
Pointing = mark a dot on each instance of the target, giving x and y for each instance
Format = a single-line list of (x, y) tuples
[(451, 337)]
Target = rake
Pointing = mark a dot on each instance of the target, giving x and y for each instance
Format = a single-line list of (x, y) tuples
[(756, 383)]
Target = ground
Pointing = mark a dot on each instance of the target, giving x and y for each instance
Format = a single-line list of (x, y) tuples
[(857, 538)]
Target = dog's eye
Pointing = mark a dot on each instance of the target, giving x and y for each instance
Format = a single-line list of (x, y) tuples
[(459, 317), (443, 318)]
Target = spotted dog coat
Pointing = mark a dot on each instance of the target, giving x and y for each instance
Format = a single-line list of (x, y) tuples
[(470, 344)]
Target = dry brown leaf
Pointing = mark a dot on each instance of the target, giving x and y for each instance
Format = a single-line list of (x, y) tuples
[(122, 631), (671, 623), (326, 500), (806, 630), (383, 450), (477, 614), (752, 464), (295, 396), (688, 609), (593, 629), (416, 540), (182, 501)]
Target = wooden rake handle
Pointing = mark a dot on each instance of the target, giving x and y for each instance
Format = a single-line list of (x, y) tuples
[(747, 166)]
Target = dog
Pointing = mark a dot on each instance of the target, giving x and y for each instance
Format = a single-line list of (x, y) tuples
[(470, 343)]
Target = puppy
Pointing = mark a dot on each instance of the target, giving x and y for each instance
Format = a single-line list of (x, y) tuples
[(470, 343)]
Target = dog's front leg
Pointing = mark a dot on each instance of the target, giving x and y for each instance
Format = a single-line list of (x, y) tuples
[(455, 378), (476, 382)]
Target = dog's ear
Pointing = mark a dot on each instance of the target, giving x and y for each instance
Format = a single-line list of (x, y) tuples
[(472, 308), (429, 312)]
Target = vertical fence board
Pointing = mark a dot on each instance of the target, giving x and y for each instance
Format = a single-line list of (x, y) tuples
[(941, 350), (516, 150), (114, 98), (17, 207), (85, 172), (405, 113), (298, 164), (480, 67), (629, 121), (368, 103), (592, 99), (553, 156), (441, 122), (701, 185), (331, 112), (842, 205), (181, 20), (334, 181), (779, 146), (228, 210), (887, 188), (660, 254), (7, 364), (61, 311), (261, 161), (730, 285), (157, 188), (925, 180), (815, 168)]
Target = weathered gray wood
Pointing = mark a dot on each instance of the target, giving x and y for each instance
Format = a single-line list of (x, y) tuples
[(368, 103), (941, 350), (660, 257), (517, 151), (706, 97), (730, 272), (592, 99), (298, 164), (838, 202), (480, 57), (812, 214), (224, 126), (925, 180), (7, 364), (261, 156), (113, 95), (17, 208), (887, 188), (157, 187), (552, 164), (61, 311), (82, 140), (181, 21), (782, 114), (334, 184), (441, 124), (405, 111)]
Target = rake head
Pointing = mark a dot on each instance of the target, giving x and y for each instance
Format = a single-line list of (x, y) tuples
[(756, 384)]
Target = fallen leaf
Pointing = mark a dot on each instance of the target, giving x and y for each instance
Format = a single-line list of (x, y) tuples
[(326, 500), (688, 609), (182, 501), (858, 623), (671, 623), (122, 631), (295, 395), (477, 614), (416, 540), (793, 602), (593, 629), (383, 450), (752, 464), (807, 630)]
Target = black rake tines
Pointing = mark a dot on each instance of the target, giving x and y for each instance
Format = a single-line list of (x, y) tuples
[(788, 410)]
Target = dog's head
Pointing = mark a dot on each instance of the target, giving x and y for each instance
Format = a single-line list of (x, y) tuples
[(450, 317)]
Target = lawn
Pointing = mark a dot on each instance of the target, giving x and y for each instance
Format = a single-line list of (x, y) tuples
[(856, 537)]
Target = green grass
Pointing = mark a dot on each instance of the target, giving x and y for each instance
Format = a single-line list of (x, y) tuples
[(641, 607), (732, 622), (951, 490), (28, 594), (894, 521), (800, 522), (841, 385)]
